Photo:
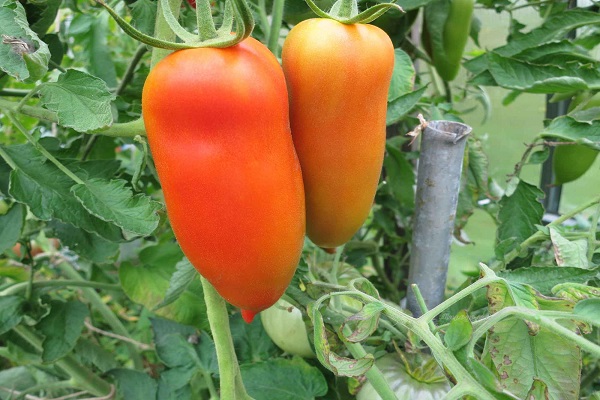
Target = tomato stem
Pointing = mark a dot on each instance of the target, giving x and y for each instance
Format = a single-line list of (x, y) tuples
[(374, 374), (346, 8), (231, 383), (276, 18), (206, 25)]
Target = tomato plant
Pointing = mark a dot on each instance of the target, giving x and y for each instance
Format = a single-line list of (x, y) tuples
[(147, 164)]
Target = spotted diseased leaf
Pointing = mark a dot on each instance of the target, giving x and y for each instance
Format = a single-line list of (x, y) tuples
[(569, 253), (366, 320), (22, 54), (80, 100), (341, 366)]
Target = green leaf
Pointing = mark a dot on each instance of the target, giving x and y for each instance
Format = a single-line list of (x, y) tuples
[(143, 15), (11, 312), (26, 59), (403, 77), (539, 157), (543, 279), (400, 176), (14, 272), (134, 385), (205, 356), (17, 378), (47, 191), (184, 274), (11, 226), (62, 328), (174, 384), (41, 15), (520, 213), (87, 245), (112, 202), (590, 309), (569, 129), (92, 353), (147, 285), (401, 106), (557, 53), (533, 78), (90, 32), (459, 331), (520, 357), (81, 101), (251, 341), (569, 253), (283, 379), (554, 28)]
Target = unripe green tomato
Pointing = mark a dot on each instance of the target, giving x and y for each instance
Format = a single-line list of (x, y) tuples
[(284, 325), (572, 161), (3, 207), (404, 385)]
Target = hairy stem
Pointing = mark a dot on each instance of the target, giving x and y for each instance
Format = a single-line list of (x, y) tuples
[(229, 370), (374, 374)]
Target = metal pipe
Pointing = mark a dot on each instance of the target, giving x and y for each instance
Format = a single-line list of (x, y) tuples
[(438, 184)]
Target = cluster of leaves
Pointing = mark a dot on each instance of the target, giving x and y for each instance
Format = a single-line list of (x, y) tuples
[(111, 300)]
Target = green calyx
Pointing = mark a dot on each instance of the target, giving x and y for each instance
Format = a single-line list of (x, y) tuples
[(346, 11), (236, 13)]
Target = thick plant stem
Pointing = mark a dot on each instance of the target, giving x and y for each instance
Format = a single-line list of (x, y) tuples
[(110, 317), (81, 375), (374, 374), (163, 31), (19, 287), (232, 387), (276, 18)]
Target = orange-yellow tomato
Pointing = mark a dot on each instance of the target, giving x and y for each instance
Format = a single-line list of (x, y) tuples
[(338, 77), (218, 127)]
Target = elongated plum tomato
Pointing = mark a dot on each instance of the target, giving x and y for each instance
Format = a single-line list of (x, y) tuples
[(218, 128), (338, 77)]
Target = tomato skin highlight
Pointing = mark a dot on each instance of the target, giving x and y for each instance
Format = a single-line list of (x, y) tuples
[(338, 78), (218, 128)]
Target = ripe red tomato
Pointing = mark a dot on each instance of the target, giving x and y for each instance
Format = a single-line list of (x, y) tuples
[(338, 77), (218, 128)]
